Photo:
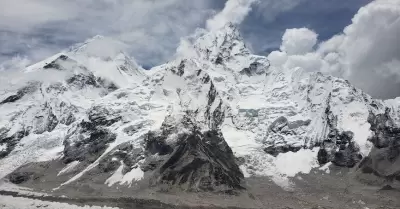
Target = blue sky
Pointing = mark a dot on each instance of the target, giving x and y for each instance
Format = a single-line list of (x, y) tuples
[(325, 17)]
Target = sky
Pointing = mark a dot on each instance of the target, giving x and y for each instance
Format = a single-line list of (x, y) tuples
[(346, 38)]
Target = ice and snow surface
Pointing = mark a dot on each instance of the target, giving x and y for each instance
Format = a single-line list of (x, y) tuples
[(9, 202), (135, 174), (33, 148)]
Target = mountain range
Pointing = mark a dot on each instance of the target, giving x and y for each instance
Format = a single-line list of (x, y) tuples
[(90, 120)]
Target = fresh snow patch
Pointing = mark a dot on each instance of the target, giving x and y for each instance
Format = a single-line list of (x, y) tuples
[(40, 65), (69, 167), (116, 177), (292, 163), (8, 202), (244, 171), (326, 167), (135, 174), (280, 168), (241, 142), (3, 147), (32, 148), (356, 120), (51, 154)]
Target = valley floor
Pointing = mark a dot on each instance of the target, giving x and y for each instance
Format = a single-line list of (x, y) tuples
[(317, 190)]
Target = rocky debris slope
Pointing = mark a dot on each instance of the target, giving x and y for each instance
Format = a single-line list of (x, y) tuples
[(201, 122), (384, 159)]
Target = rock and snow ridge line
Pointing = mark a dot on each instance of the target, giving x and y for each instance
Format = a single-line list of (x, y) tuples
[(116, 119)]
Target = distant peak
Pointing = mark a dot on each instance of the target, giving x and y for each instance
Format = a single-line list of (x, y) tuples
[(224, 42), (99, 46)]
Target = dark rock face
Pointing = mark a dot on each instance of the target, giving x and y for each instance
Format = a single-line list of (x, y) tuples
[(282, 126), (55, 64), (20, 177), (45, 122), (81, 80), (276, 150), (30, 88), (126, 153), (216, 117), (194, 161), (90, 138), (156, 145), (255, 68), (11, 142), (339, 147), (201, 161), (100, 116), (384, 159), (180, 70), (385, 132), (88, 148)]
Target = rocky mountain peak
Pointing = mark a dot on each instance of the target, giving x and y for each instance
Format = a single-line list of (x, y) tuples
[(221, 44)]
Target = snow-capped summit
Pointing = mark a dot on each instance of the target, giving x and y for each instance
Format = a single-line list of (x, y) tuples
[(201, 122), (98, 46), (220, 45)]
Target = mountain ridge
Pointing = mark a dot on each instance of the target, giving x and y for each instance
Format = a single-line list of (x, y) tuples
[(109, 119)]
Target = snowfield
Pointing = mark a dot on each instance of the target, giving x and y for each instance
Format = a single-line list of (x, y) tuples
[(8, 202)]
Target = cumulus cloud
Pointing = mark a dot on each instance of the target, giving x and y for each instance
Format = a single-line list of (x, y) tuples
[(298, 41), (234, 11), (369, 49), (367, 52)]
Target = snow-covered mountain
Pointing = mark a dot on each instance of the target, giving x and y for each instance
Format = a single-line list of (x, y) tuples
[(202, 122)]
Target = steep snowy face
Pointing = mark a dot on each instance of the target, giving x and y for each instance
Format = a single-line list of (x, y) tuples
[(49, 97), (271, 111), (101, 56), (202, 122)]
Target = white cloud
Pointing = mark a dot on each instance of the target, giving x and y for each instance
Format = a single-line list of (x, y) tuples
[(277, 58), (151, 28), (298, 41), (310, 62), (234, 11), (367, 53), (22, 15), (15, 63)]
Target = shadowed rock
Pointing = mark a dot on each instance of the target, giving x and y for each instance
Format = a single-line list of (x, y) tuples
[(384, 159), (201, 162), (20, 177), (339, 147), (90, 138), (30, 88)]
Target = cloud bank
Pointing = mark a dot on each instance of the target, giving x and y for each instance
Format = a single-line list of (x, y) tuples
[(152, 28), (367, 52)]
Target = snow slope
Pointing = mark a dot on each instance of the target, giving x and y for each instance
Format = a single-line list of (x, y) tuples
[(8, 202)]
